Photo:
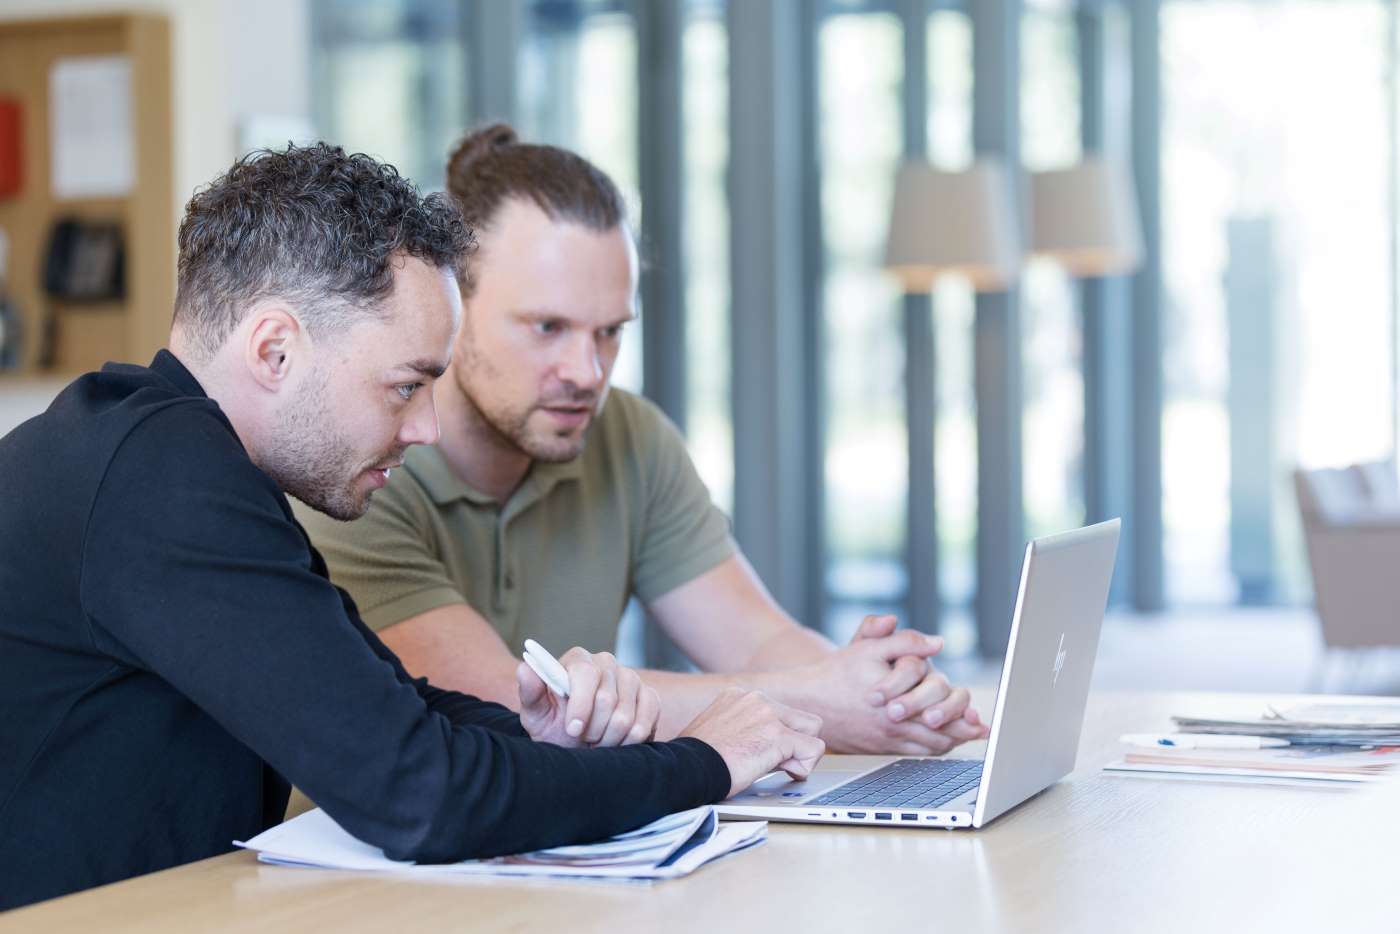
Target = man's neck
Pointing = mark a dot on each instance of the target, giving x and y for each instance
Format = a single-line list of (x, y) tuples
[(216, 385), (477, 453)]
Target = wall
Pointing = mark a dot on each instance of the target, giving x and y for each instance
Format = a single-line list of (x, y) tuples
[(231, 61)]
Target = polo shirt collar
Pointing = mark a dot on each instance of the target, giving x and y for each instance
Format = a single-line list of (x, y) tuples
[(444, 486)]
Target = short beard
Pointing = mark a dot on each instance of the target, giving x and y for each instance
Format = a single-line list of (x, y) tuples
[(511, 427), (310, 460)]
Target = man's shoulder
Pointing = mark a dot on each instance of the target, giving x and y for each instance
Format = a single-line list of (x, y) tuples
[(121, 413), (636, 425)]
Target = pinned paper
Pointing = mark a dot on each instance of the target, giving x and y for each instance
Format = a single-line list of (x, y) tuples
[(90, 127)]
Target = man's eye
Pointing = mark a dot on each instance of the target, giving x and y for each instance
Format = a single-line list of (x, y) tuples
[(406, 390), (547, 327), (611, 332)]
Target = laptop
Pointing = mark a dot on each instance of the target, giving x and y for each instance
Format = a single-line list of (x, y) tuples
[(1035, 726)]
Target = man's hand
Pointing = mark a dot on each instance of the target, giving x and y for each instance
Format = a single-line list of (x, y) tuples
[(756, 735), (608, 705), (880, 695)]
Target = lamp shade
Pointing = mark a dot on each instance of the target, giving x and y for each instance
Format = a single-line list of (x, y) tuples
[(1086, 218), (959, 223)]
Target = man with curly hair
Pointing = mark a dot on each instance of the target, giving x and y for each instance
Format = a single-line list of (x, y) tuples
[(172, 653)]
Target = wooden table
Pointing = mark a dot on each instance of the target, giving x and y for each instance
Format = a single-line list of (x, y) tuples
[(1096, 852)]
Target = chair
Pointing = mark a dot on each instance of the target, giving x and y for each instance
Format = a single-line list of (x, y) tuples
[(1351, 523)]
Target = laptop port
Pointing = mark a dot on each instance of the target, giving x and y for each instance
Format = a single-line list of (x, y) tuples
[(908, 817), (883, 815), (855, 814)]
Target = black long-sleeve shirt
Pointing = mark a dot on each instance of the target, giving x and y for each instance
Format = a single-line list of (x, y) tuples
[(172, 653)]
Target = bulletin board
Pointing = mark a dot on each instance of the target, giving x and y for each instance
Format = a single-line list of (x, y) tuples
[(85, 334)]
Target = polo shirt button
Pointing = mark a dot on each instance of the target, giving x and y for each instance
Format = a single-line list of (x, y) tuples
[(510, 581)]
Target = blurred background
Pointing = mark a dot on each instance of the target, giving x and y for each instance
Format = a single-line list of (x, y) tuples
[(1230, 391)]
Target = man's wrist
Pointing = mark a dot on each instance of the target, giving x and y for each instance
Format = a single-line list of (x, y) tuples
[(795, 687)]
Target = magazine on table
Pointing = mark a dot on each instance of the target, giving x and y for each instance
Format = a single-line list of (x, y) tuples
[(667, 848)]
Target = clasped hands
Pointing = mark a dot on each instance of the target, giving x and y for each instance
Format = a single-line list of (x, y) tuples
[(879, 694)]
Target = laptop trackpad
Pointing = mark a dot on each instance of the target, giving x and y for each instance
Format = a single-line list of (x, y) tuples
[(778, 788)]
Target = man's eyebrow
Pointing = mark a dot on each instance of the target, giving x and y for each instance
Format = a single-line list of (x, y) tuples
[(429, 368), (544, 314)]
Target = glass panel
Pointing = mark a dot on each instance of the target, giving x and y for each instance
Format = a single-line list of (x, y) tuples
[(391, 80), (578, 89), (705, 91), (860, 72), (1275, 238), (1052, 375), (955, 434)]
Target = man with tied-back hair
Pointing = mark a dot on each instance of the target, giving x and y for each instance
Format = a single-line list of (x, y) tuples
[(172, 653), (550, 500)]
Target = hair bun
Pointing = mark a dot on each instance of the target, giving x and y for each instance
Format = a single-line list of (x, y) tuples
[(482, 142)]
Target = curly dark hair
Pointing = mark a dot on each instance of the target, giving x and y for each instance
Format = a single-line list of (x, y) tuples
[(311, 225)]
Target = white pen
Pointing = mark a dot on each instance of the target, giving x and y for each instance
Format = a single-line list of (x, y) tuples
[(1201, 741), (547, 667)]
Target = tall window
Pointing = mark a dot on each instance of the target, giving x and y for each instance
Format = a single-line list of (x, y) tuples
[(949, 142), (1277, 273), (1053, 383), (705, 100), (860, 66), (390, 79)]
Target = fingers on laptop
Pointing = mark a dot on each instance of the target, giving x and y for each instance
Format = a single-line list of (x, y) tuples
[(800, 720), (806, 752), (803, 746)]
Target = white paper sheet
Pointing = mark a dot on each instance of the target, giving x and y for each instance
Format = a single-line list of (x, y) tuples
[(91, 140), (682, 842)]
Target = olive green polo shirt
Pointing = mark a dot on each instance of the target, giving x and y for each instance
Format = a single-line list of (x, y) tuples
[(559, 559)]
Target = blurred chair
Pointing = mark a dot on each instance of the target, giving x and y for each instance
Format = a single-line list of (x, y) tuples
[(1351, 523)]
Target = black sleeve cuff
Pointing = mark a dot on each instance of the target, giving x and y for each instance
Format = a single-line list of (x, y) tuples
[(714, 773)]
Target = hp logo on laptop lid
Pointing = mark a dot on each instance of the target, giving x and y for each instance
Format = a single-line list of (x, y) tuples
[(1059, 660)]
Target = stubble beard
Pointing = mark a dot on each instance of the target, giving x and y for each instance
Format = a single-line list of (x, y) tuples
[(312, 461), (510, 426)]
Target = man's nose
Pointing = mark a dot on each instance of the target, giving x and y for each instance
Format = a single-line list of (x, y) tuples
[(581, 365), (421, 426)]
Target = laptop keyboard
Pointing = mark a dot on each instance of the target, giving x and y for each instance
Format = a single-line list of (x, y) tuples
[(908, 783)]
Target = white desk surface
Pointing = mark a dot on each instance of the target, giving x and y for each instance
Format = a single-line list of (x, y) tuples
[(1095, 852)]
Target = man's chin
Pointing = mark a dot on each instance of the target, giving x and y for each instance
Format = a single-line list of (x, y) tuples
[(556, 451), (346, 508), (554, 447)]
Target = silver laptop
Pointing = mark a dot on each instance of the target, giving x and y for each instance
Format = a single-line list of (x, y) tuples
[(1035, 726)]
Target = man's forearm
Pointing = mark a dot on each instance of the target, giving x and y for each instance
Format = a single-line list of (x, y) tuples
[(773, 668), (684, 695)]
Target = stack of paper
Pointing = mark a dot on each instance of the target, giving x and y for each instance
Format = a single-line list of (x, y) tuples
[(1336, 724), (1328, 743), (664, 849), (1294, 763)]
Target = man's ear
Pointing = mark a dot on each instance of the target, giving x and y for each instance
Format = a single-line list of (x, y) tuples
[(273, 342)]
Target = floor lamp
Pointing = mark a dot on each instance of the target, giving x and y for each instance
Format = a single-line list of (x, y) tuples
[(1085, 218), (941, 224)]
